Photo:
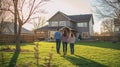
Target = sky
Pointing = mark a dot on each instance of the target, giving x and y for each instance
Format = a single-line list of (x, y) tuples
[(69, 7)]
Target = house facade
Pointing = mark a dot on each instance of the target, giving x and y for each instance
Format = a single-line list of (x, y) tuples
[(82, 24)]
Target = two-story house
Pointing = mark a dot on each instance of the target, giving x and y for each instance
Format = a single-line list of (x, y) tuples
[(83, 24)]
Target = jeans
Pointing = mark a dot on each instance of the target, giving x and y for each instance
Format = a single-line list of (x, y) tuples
[(64, 48), (58, 42), (72, 48)]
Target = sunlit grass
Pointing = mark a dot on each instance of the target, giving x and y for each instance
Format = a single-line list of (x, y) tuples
[(87, 54)]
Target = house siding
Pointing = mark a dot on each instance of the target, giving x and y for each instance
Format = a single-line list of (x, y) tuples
[(59, 17), (91, 27), (82, 29), (73, 25)]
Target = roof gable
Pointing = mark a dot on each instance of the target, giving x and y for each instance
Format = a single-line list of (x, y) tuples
[(59, 16)]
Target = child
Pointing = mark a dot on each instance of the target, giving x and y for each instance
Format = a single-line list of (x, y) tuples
[(72, 41)]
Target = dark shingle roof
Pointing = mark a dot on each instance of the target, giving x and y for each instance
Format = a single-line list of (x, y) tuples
[(47, 28), (81, 18), (10, 25)]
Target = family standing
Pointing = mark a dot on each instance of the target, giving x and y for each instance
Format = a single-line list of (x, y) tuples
[(65, 37)]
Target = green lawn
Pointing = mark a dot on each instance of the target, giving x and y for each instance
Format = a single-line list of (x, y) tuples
[(87, 54)]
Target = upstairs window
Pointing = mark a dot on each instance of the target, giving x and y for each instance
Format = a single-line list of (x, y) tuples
[(83, 24), (117, 29), (62, 23), (54, 23)]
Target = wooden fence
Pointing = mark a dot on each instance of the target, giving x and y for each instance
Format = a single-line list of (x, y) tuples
[(107, 38), (5, 38)]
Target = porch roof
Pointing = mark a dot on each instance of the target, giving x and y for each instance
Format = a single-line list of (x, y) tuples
[(47, 28)]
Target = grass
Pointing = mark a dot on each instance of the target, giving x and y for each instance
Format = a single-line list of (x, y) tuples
[(87, 54)]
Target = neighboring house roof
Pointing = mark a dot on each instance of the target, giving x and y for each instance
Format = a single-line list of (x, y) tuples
[(9, 29)]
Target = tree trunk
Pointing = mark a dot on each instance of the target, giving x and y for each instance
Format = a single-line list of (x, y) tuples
[(16, 32), (17, 43), (18, 40)]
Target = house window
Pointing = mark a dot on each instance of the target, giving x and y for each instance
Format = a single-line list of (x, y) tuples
[(51, 34), (117, 29), (62, 23), (85, 35), (83, 24), (54, 23)]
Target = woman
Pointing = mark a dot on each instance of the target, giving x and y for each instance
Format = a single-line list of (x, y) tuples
[(72, 41), (64, 40)]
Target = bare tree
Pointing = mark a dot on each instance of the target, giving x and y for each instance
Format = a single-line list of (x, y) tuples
[(107, 27), (23, 11), (107, 8), (3, 15), (39, 23)]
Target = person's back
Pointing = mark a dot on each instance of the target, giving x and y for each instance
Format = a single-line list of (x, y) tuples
[(57, 35), (64, 39), (72, 39)]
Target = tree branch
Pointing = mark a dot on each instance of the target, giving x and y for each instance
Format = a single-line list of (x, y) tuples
[(4, 9)]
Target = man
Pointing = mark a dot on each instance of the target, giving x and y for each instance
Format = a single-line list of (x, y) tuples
[(57, 36)]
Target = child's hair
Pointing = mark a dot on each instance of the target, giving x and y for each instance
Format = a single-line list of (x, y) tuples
[(72, 35), (65, 33)]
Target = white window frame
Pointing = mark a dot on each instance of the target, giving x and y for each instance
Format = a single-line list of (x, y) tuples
[(54, 23), (62, 23), (82, 24)]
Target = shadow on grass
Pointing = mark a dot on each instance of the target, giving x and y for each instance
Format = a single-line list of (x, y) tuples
[(14, 59), (24, 44), (83, 62), (109, 45)]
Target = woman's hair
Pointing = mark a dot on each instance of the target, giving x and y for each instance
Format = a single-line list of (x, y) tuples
[(65, 33)]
